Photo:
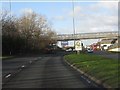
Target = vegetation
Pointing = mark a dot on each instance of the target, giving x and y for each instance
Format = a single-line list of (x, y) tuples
[(6, 57), (30, 32), (102, 68)]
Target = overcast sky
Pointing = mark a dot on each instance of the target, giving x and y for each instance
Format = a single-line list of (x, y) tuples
[(89, 16)]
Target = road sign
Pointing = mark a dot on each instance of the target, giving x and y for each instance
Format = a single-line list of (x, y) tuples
[(78, 45)]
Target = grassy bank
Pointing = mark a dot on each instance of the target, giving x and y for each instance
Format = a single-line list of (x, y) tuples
[(104, 69), (6, 57)]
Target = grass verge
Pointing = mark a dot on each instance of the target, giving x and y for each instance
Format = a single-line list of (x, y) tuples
[(104, 69), (6, 57)]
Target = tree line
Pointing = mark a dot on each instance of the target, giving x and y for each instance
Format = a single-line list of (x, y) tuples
[(30, 32)]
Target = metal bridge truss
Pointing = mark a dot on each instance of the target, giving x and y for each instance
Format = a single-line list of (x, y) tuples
[(97, 35)]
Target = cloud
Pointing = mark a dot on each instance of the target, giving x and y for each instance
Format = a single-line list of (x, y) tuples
[(65, 30), (27, 11), (93, 17), (58, 18), (109, 5), (77, 10), (106, 7), (102, 20), (96, 17), (97, 23)]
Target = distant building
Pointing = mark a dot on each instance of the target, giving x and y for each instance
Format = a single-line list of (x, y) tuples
[(105, 43), (115, 47)]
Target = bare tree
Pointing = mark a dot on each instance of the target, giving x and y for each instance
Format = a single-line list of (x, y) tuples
[(28, 32)]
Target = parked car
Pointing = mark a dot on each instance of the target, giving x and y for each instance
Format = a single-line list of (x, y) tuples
[(69, 50), (50, 49), (89, 50)]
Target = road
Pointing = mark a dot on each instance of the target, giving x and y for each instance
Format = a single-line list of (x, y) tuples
[(106, 54), (49, 71), (11, 65)]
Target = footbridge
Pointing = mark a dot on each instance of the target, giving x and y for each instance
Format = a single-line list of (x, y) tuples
[(96, 35)]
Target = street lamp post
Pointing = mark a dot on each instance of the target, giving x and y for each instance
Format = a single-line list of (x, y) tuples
[(10, 21), (75, 46), (73, 22), (10, 8)]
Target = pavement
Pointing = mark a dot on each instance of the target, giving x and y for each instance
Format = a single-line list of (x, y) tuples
[(49, 71)]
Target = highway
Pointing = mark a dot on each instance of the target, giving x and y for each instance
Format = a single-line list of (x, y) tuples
[(46, 71)]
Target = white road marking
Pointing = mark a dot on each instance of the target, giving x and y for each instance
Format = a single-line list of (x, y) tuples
[(82, 76), (23, 66), (8, 76), (88, 81)]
